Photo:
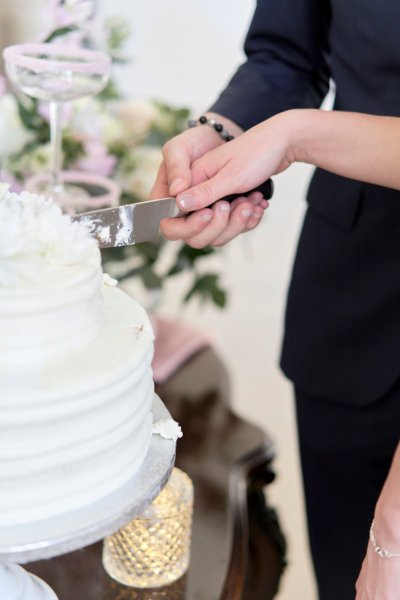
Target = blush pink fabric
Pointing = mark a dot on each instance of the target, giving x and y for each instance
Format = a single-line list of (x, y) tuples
[(175, 343)]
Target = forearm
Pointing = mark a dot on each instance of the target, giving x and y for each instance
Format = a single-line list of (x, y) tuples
[(354, 145), (387, 513), (286, 67)]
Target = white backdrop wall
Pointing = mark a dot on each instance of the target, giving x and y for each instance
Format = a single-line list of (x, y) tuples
[(183, 50)]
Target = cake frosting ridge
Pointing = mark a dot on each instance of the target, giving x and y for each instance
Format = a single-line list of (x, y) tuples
[(75, 368), (50, 280)]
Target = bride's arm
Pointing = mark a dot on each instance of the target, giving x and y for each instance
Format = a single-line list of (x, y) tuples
[(354, 145), (380, 577)]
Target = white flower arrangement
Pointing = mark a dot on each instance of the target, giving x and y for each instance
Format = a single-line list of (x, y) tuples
[(35, 236), (108, 135)]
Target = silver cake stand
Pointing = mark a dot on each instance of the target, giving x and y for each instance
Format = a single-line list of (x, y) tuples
[(74, 530)]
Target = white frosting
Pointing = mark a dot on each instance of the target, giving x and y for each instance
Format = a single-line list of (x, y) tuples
[(39, 245), (75, 370), (168, 429), (77, 428), (108, 280), (50, 281), (124, 229)]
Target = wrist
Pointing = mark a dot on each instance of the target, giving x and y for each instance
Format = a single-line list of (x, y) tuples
[(387, 525), (307, 128), (228, 124)]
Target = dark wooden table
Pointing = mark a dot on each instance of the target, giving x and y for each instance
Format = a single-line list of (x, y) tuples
[(237, 551)]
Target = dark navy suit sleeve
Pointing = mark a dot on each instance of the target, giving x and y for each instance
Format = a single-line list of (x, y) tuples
[(287, 62)]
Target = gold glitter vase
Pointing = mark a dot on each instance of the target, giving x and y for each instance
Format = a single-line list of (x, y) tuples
[(154, 549)]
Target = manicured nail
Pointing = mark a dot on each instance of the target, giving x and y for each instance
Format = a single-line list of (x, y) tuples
[(187, 202), (224, 207), (247, 212)]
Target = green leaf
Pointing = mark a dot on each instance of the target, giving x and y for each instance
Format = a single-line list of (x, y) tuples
[(110, 92), (192, 254), (28, 113), (178, 267), (112, 254), (149, 251), (150, 279), (219, 297), (60, 32), (118, 32), (72, 149), (207, 287), (186, 258)]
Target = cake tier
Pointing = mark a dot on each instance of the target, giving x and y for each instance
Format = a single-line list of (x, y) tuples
[(77, 427), (45, 321)]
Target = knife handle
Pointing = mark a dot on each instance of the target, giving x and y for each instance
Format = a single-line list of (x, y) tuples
[(266, 188)]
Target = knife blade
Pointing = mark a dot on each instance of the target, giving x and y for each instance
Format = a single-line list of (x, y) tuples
[(139, 222)]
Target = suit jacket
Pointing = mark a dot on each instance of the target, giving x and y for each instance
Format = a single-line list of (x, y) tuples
[(342, 334)]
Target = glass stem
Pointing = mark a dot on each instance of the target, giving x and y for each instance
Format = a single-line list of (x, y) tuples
[(56, 145)]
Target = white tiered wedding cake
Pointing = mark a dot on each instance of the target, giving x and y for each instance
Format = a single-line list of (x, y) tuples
[(76, 386)]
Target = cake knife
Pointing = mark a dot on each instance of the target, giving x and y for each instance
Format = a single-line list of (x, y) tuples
[(139, 222)]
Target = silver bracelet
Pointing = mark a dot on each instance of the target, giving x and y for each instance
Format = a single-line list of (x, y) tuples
[(378, 549), (218, 127)]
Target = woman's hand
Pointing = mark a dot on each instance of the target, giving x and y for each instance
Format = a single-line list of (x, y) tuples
[(240, 165), (379, 578)]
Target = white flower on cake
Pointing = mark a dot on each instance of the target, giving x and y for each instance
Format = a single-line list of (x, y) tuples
[(36, 238)]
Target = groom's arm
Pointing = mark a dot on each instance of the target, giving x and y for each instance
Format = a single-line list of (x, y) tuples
[(287, 67), (287, 62)]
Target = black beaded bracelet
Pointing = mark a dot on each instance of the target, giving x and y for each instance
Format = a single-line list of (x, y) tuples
[(218, 127)]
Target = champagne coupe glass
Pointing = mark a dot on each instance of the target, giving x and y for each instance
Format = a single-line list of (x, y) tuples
[(57, 74)]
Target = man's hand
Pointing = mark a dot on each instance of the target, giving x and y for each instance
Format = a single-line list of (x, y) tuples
[(217, 225)]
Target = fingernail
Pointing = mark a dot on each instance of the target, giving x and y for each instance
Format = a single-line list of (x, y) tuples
[(187, 202), (176, 184), (224, 207), (247, 212), (206, 217)]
